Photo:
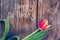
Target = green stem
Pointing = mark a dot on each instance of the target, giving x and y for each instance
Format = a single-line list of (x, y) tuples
[(31, 34), (34, 33)]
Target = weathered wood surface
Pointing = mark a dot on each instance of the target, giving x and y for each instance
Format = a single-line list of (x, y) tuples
[(23, 18)]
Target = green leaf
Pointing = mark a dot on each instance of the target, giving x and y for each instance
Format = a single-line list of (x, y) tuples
[(42, 36), (31, 34), (17, 38), (7, 26), (37, 35)]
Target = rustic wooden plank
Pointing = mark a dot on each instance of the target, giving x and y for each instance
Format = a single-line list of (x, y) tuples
[(23, 18), (48, 10)]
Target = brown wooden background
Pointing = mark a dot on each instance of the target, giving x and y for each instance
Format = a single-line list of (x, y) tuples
[(22, 26)]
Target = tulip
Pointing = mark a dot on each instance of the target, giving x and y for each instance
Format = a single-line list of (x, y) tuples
[(44, 25)]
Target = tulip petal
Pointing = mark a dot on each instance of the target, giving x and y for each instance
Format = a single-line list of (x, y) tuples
[(44, 25)]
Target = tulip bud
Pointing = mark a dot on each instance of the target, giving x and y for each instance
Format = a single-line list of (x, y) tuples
[(44, 25)]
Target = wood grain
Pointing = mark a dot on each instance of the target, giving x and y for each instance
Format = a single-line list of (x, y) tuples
[(22, 16)]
